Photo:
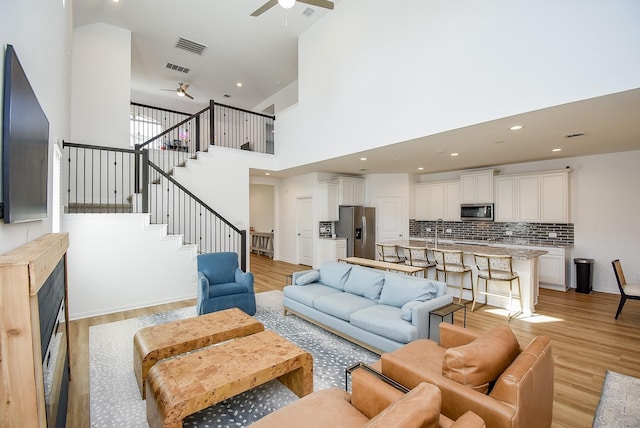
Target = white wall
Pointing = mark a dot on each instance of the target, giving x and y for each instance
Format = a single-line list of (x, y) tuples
[(372, 75), (261, 207), (101, 81), (119, 262), (40, 31)]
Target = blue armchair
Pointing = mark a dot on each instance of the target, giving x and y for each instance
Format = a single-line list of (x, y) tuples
[(222, 285)]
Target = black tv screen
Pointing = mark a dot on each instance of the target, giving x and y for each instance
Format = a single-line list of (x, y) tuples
[(25, 147)]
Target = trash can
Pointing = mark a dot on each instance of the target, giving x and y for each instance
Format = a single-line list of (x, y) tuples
[(584, 270)]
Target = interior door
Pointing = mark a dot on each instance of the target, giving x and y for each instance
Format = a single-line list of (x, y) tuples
[(305, 231), (390, 219)]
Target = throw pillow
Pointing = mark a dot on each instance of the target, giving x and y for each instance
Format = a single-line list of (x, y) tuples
[(405, 311), (482, 361), (364, 282), (420, 407), (308, 278), (335, 274), (400, 289)]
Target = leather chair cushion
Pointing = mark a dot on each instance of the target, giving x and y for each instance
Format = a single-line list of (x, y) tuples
[(419, 408), (482, 361)]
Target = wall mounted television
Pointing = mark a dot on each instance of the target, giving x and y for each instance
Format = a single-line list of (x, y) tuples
[(25, 147)]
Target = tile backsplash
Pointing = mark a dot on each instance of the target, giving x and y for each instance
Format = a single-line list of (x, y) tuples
[(521, 233)]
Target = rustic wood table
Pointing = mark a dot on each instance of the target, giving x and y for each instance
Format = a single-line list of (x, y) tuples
[(181, 386), (152, 344)]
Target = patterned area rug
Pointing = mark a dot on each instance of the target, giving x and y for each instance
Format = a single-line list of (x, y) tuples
[(619, 404), (115, 400)]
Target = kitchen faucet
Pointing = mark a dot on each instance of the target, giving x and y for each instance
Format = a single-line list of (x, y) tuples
[(437, 221)]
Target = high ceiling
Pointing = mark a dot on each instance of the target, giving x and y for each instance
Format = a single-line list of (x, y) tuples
[(261, 53)]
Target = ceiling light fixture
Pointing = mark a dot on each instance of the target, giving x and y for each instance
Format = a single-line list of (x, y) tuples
[(239, 84), (455, 154), (287, 4), (363, 159), (556, 150), (420, 168), (180, 93), (516, 127)]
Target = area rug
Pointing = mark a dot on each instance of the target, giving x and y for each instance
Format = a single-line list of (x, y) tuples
[(619, 404), (115, 399)]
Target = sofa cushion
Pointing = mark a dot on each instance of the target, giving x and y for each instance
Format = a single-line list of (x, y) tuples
[(334, 274), (385, 320), (400, 289), (308, 278), (308, 293), (341, 305), (419, 408), (482, 361), (227, 289), (364, 282)]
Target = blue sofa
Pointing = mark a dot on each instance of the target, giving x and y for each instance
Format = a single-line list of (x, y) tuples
[(222, 285), (381, 311)]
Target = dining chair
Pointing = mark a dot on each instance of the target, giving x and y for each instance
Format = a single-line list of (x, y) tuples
[(497, 268), (627, 291), (389, 253), (418, 257), (452, 261)]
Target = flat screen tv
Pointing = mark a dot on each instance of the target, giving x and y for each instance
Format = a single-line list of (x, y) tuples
[(25, 147)]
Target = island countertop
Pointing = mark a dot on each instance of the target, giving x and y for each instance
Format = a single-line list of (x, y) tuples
[(516, 253)]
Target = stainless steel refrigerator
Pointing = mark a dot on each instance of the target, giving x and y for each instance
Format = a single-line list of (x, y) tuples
[(358, 225)]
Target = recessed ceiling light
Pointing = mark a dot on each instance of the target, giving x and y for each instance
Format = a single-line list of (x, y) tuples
[(556, 150), (420, 168), (454, 154), (267, 173), (363, 159), (239, 84), (516, 127)]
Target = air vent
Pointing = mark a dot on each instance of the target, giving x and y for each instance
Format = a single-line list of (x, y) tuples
[(577, 134), (191, 46), (227, 96), (179, 68), (308, 12)]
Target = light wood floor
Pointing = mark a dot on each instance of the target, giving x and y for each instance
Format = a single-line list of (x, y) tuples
[(586, 340)]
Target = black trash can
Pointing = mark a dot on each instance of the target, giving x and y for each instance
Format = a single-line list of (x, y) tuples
[(584, 277)]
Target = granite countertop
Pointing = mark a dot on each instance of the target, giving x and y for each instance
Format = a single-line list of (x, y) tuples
[(468, 248)]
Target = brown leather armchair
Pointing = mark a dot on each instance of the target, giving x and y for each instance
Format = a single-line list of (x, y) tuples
[(373, 403), (492, 375)]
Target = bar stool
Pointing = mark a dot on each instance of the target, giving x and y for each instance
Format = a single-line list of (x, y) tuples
[(451, 261), (389, 253), (497, 268), (418, 257)]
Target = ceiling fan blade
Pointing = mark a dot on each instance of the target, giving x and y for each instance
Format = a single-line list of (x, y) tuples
[(319, 3), (184, 87), (265, 7), (187, 95)]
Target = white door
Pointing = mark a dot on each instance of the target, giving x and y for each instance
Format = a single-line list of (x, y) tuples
[(390, 219), (305, 231)]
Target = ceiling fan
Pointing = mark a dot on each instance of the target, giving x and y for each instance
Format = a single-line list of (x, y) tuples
[(288, 4), (181, 91)]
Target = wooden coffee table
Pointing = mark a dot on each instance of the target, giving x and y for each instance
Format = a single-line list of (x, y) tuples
[(181, 386), (152, 344)]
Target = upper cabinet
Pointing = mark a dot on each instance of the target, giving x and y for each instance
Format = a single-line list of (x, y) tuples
[(534, 198), (476, 187), (329, 201), (350, 191), (437, 200)]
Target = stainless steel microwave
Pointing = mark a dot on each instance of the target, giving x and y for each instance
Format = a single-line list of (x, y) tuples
[(476, 212)]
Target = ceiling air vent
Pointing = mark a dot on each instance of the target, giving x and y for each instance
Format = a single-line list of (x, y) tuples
[(179, 68), (574, 135), (191, 46)]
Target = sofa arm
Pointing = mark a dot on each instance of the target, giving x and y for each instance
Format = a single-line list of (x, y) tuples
[(371, 395), (420, 314), (452, 335), (203, 287), (244, 278), (469, 420)]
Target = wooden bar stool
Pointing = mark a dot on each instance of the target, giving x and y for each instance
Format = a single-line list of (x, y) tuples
[(451, 261), (389, 253), (497, 268), (418, 257)]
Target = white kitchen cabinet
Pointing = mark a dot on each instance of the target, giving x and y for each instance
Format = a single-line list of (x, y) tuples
[(350, 191), (437, 200), (553, 267), (331, 250), (329, 201), (476, 187), (533, 198)]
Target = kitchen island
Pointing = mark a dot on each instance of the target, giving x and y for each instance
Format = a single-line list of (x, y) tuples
[(525, 263)]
